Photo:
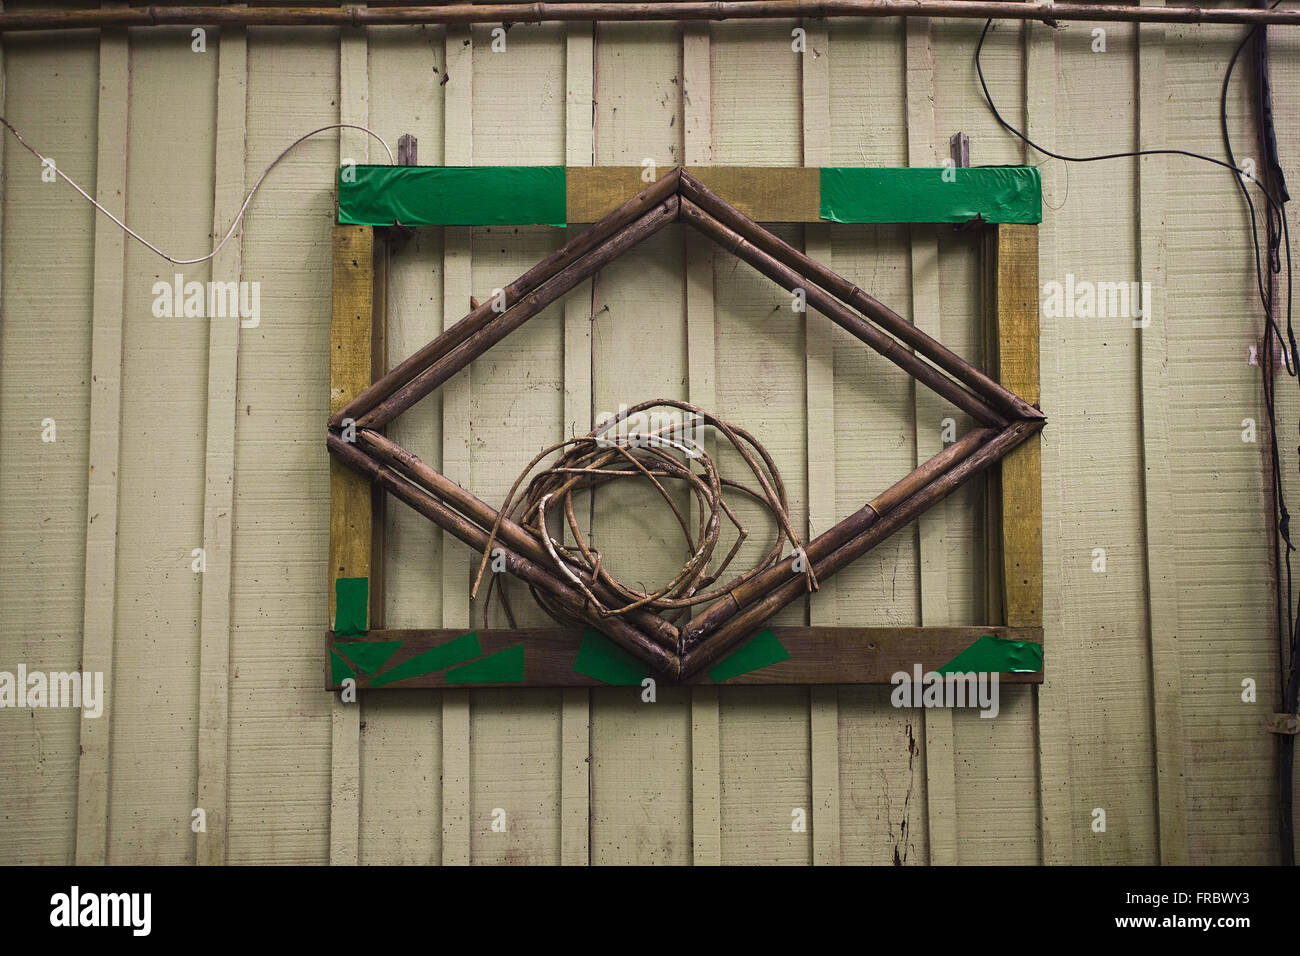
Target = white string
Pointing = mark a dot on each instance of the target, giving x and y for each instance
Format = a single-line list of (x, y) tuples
[(242, 209)]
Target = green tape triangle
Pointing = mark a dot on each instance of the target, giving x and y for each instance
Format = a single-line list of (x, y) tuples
[(503, 667), (351, 601), (369, 655), (462, 648), (996, 655), (339, 669), (601, 658), (759, 651)]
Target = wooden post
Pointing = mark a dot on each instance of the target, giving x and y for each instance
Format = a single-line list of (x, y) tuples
[(407, 150), (352, 343), (1012, 261), (94, 754), (219, 460)]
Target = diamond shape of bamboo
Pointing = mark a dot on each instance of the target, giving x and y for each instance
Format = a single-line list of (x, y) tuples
[(1005, 421)]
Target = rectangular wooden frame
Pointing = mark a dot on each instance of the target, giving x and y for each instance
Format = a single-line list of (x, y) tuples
[(817, 655)]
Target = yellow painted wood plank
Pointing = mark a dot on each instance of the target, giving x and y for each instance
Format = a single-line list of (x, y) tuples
[(105, 444), (782, 194), (1016, 290), (351, 528)]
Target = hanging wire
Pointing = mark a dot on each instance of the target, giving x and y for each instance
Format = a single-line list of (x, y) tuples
[(242, 209)]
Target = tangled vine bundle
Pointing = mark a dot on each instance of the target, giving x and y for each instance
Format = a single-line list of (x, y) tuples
[(660, 442)]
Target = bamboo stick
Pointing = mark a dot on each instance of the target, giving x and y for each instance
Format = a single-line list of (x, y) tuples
[(239, 15), (747, 621), (826, 543), (515, 537), (620, 631), (516, 314), (841, 315), (566, 255), (999, 397)]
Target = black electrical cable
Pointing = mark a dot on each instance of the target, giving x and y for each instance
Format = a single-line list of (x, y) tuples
[(1278, 231), (1278, 245), (1278, 234)]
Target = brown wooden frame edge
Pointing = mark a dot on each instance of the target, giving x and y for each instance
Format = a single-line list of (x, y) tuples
[(818, 655)]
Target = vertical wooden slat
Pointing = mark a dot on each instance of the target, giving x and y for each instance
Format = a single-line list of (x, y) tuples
[(1158, 514), (575, 708), (1014, 259), (697, 106), (105, 441), (351, 364), (819, 358), (219, 464), (939, 761), (640, 773), (458, 93), (1053, 720), (400, 756)]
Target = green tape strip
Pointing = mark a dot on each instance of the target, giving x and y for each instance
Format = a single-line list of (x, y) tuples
[(351, 603), (369, 655), (601, 658), (339, 669), (996, 655), (759, 651), (452, 195), (997, 193), (462, 648), (503, 667)]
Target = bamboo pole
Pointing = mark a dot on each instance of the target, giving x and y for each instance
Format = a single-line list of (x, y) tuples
[(515, 537), (557, 261), (239, 15), (1001, 398), (620, 631), (747, 621), (829, 541), (516, 314), (841, 315)]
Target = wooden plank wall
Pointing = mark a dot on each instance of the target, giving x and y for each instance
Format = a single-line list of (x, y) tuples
[(211, 437)]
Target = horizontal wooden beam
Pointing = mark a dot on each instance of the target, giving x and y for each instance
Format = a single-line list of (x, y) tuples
[(413, 196), (817, 655), (288, 14)]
